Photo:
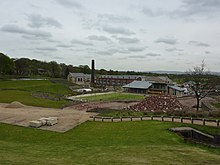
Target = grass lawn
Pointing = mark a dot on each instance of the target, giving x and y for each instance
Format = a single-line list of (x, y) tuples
[(22, 91), (8, 96), (35, 86), (94, 143), (115, 97)]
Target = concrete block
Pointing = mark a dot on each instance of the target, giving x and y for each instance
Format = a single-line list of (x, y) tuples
[(35, 124)]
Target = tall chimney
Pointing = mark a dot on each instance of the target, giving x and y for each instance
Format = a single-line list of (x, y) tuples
[(93, 73)]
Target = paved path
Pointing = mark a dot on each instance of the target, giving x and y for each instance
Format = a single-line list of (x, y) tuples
[(89, 94)]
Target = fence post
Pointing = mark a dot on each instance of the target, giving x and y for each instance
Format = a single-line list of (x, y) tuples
[(131, 118), (181, 119), (121, 119), (102, 119), (217, 122), (93, 118), (141, 118), (172, 118), (162, 118), (203, 121), (191, 120), (152, 118), (112, 119)]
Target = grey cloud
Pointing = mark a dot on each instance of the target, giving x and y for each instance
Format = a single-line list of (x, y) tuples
[(37, 21), (149, 12), (58, 58), (104, 52), (80, 42), (33, 39), (169, 41), (70, 4), (119, 51), (109, 51), (64, 46), (174, 49), (195, 7), (46, 49), (128, 40), (114, 18), (117, 30), (20, 30), (207, 52), (98, 38), (136, 49), (139, 56), (153, 54), (197, 43)]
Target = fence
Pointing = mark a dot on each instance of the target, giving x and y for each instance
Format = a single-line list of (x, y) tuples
[(199, 121)]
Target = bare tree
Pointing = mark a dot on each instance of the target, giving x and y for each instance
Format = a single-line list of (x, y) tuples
[(203, 82)]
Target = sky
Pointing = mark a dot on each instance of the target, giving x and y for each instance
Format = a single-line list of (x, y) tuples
[(128, 35)]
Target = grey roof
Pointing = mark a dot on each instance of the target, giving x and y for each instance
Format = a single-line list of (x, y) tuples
[(80, 75), (176, 88), (122, 76), (138, 85)]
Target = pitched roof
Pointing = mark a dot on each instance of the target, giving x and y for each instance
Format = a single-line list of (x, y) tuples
[(80, 75), (176, 88), (138, 85)]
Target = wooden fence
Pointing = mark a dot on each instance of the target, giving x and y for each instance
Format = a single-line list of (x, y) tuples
[(199, 121)]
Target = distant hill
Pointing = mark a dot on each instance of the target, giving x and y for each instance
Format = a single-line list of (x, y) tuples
[(167, 72), (177, 72)]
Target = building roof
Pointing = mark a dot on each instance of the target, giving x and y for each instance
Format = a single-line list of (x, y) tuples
[(176, 88), (122, 76), (80, 75), (138, 85)]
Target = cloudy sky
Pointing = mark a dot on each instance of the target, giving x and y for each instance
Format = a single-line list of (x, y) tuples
[(140, 35)]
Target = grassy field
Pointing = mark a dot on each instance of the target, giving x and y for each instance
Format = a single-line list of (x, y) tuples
[(94, 143), (115, 97), (23, 91)]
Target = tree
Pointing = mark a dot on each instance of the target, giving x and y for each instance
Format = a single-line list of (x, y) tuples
[(6, 64), (203, 83), (84, 69), (22, 66), (55, 69)]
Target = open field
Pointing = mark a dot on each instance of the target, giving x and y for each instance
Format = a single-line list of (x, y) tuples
[(23, 92), (93, 143), (114, 97)]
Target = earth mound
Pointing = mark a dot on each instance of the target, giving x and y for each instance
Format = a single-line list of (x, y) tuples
[(15, 104), (157, 104)]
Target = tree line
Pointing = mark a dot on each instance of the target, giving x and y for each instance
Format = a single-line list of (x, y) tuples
[(32, 67)]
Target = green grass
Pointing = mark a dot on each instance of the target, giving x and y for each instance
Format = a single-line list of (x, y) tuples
[(118, 113), (115, 97), (35, 86), (94, 143), (8, 96), (23, 91)]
